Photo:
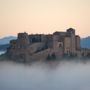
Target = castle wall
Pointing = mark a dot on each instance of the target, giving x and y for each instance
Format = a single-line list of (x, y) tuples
[(58, 45), (77, 40), (35, 38), (49, 41), (71, 31), (43, 38), (67, 45), (55, 41), (36, 47), (73, 44), (41, 55)]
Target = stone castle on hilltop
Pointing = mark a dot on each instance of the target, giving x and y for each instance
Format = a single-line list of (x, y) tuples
[(42, 47)]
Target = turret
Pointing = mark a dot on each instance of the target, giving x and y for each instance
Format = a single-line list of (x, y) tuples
[(71, 31), (23, 40), (77, 42)]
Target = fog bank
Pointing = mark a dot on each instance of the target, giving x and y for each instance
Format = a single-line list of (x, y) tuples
[(45, 76)]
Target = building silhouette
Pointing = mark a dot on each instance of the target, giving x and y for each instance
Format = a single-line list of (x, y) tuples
[(40, 46)]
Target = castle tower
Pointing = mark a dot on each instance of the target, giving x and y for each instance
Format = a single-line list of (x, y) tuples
[(77, 38), (57, 45), (71, 32), (67, 45), (23, 40)]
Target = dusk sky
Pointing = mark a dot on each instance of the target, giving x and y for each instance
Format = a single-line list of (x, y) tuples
[(44, 16)]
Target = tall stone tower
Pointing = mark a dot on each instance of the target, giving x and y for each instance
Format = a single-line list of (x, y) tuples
[(77, 42), (58, 45), (71, 32), (23, 40)]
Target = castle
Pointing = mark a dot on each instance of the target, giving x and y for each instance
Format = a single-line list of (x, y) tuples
[(40, 46)]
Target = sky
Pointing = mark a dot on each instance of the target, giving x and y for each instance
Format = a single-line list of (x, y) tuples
[(44, 16)]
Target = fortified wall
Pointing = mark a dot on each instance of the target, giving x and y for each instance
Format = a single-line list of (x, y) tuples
[(41, 47)]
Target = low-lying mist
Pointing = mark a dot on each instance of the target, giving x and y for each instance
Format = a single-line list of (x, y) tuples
[(65, 75)]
